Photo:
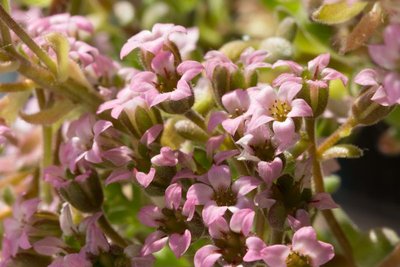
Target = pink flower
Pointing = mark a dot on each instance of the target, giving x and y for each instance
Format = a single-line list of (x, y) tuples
[(64, 23), (236, 104), (386, 81), (171, 223), (280, 108), (218, 194), (316, 75), (229, 241), (74, 259), (169, 85), (387, 55), (216, 59), (305, 249), (18, 228), (96, 241), (154, 40)]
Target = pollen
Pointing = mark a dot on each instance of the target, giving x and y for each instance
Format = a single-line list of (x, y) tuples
[(279, 110)]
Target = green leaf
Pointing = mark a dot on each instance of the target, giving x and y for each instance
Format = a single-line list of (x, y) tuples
[(37, 3), (332, 183), (165, 257), (342, 151), (50, 115), (338, 13), (60, 45)]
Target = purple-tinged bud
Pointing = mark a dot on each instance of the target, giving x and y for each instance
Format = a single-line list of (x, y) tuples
[(84, 193), (366, 111)]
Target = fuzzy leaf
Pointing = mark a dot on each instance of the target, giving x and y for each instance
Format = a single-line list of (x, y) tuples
[(342, 151), (60, 45), (338, 13), (50, 115)]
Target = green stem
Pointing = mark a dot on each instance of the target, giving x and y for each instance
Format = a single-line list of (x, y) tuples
[(276, 236), (393, 259), (47, 133), (319, 188), (111, 233), (196, 118), (343, 131), (37, 50), (260, 224), (5, 31)]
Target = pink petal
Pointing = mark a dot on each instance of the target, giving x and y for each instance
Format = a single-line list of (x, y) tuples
[(255, 246), (294, 67), (151, 134), (218, 228), (300, 108), (305, 242), (173, 196), (366, 77), (319, 63), (284, 131), (215, 119), (242, 221), (150, 215), (49, 246), (219, 177), (211, 212), (143, 178), (199, 193), (276, 255), (206, 256), (323, 201), (224, 155), (180, 243), (270, 171), (245, 184), (154, 242)]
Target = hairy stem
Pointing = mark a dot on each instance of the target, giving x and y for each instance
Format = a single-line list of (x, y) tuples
[(319, 188), (196, 118), (37, 50), (343, 131), (111, 233)]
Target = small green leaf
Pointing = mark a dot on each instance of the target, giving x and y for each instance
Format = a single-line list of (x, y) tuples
[(50, 115), (60, 45), (342, 151), (338, 13)]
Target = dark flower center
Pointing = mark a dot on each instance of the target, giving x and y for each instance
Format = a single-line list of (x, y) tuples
[(225, 197), (173, 222), (232, 247)]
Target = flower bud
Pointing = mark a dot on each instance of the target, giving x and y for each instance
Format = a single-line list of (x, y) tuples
[(190, 131), (44, 224), (234, 49), (84, 193), (221, 83), (28, 260), (316, 98), (177, 106), (287, 29), (278, 48), (366, 111)]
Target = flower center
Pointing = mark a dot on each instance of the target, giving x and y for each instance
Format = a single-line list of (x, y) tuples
[(173, 222), (297, 260), (225, 197), (232, 247), (279, 110)]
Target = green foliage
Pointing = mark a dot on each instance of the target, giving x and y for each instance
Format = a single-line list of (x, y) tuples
[(338, 12)]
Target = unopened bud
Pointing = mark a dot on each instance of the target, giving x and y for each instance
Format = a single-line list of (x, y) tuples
[(287, 29), (366, 111), (221, 83), (84, 193), (278, 48), (178, 106), (234, 49), (316, 98), (191, 131)]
